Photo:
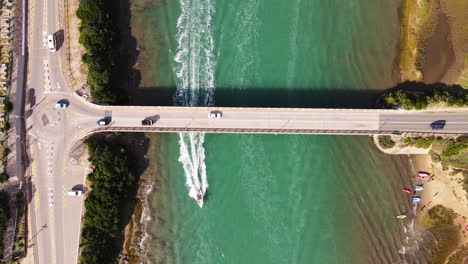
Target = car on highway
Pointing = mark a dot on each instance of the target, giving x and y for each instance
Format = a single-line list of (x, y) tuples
[(51, 43), (61, 105), (147, 122), (214, 114), (438, 125), (102, 122), (75, 192)]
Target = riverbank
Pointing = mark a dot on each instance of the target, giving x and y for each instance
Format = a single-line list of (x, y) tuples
[(433, 48), (447, 187), (444, 188)]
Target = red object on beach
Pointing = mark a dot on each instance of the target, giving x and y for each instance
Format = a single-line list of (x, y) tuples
[(406, 190), (466, 227), (423, 175)]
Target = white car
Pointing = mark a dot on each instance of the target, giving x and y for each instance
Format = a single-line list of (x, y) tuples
[(51, 43), (75, 193), (214, 114)]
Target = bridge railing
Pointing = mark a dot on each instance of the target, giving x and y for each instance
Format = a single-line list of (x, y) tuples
[(243, 131)]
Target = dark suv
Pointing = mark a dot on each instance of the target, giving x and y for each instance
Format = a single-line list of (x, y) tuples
[(438, 125), (147, 122)]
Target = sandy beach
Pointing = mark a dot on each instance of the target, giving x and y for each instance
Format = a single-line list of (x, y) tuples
[(444, 189)]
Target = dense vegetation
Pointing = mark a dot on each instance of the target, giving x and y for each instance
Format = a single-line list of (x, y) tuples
[(420, 142), (455, 146), (112, 183), (386, 142), (99, 35), (440, 223), (4, 217), (414, 95)]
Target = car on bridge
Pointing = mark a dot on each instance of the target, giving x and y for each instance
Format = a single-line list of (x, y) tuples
[(438, 125), (147, 122), (214, 114)]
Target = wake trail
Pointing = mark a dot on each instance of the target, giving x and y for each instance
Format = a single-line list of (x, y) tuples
[(194, 67)]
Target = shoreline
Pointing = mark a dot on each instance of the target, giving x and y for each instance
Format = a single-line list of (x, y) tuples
[(431, 47)]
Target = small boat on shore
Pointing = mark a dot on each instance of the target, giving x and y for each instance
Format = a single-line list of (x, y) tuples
[(200, 198), (423, 175), (416, 199), (418, 188), (407, 190), (402, 216)]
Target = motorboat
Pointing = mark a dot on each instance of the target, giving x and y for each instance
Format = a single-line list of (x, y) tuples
[(423, 175), (418, 187), (402, 216), (199, 198), (407, 190), (416, 199)]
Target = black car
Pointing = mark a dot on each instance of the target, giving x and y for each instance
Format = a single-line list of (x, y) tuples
[(147, 122), (438, 125)]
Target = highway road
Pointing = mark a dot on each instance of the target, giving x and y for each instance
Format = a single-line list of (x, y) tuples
[(55, 217), (58, 163)]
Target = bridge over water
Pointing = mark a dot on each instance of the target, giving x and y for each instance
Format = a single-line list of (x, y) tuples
[(280, 120)]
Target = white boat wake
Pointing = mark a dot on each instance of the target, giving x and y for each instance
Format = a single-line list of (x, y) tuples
[(194, 67), (192, 157)]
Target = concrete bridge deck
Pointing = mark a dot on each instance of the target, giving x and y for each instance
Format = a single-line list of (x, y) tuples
[(279, 120)]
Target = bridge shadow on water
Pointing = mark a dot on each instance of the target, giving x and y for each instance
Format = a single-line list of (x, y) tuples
[(267, 97)]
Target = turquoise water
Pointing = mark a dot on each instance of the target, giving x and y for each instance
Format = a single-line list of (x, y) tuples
[(273, 198)]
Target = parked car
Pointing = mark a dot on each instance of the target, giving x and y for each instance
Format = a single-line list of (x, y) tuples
[(214, 114), (61, 105), (51, 43)]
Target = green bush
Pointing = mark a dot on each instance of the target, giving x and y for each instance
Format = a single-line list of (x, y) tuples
[(5, 152), (420, 142), (6, 127), (398, 99), (99, 35), (417, 95), (112, 180), (386, 142), (454, 148), (7, 107)]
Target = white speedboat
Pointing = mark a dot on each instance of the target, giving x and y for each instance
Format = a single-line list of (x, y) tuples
[(200, 198)]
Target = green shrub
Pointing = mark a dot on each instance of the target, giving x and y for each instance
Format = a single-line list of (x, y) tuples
[(99, 35), (6, 127), (5, 153), (454, 148), (386, 142), (407, 95), (112, 180), (7, 107), (420, 142)]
